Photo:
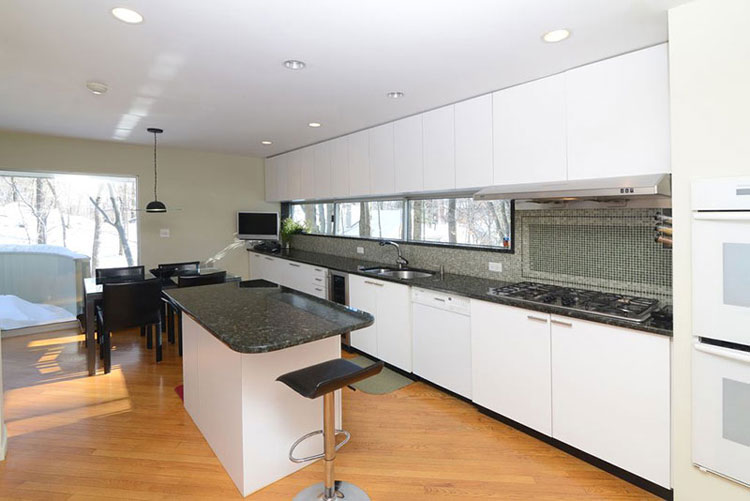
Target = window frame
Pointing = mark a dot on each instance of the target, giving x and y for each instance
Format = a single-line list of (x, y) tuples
[(286, 212)]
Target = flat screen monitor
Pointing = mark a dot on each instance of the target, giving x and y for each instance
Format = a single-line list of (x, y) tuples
[(257, 225)]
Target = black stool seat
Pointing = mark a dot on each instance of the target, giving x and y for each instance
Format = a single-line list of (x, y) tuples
[(319, 379)]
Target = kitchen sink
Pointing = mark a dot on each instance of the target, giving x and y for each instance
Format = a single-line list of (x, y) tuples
[(404, 273)]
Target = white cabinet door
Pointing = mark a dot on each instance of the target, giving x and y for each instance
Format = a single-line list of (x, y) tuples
[(382, 173), (394, 324), (323, 171), (363, 295), (340, 167), (618, 116), (295, 166), (271, 180), (439, 149), (408, 157), (511, 363), (307, 173), (529, 132), (281, 164), (474, 142), (255, 266), (611, 395), (270, 269), (359, 163)]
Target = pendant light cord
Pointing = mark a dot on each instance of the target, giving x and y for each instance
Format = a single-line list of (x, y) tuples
[(155, 178)]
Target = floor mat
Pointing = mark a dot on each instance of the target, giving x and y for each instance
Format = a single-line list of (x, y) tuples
[(385, 382)]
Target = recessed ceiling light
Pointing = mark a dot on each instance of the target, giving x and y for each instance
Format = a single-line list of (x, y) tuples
[(313, 124), (556, 35), (266, 142), (397, 94), (97, 88), (127, 15), (293, 64)]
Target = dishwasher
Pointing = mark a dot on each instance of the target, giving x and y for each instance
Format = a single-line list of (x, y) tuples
[(442, 339)]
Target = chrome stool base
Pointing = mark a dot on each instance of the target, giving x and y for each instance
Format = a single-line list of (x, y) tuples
[(344, 491)]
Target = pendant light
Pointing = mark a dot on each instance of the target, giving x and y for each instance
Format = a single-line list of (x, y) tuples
[(155, 205)]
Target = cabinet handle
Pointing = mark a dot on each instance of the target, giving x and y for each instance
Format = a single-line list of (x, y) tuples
[(269, 259), (317, 269), (439, 299), (318, 289), (537, 319), (318, 279), (560, 322), (294, 264), (373, 283)]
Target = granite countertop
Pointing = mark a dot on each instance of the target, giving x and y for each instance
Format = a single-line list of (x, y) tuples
[(463, 285), (259, 320)]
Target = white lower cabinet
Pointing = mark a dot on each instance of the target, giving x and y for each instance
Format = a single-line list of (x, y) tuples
[(299, 276), (389, 338), (511, 363), (611, 395)]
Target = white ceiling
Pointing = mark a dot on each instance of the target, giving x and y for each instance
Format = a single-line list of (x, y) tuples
[(210, 73)]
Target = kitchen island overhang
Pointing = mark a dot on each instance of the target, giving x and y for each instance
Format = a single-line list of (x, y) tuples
[(236, 342)]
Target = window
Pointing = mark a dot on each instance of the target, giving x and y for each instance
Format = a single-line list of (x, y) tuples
[(378, 219), (461, 221), (318, 218), (435, 221)]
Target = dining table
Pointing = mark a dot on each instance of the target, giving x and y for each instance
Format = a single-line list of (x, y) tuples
[(93, 293)]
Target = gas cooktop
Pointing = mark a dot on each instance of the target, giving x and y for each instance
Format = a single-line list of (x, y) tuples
[(635, 309)]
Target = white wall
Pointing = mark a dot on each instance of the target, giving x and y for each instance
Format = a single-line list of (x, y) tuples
[(208, 187), (3, 431), (710, 93)]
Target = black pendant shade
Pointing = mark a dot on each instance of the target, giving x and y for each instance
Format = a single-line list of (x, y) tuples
[(155, 205)]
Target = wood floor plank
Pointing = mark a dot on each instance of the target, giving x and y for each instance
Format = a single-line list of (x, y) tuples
[(125, 435)]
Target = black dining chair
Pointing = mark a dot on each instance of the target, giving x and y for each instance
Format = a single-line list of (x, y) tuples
[(126, 305), (117, 275), (218, 277), (166, 271)]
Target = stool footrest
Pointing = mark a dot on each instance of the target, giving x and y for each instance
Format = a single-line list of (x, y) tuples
[(316, 456)]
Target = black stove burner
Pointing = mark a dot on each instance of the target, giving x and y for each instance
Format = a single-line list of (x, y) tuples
[(637, 309)]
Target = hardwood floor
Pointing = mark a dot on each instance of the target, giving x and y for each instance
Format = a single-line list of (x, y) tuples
[(126, 436)]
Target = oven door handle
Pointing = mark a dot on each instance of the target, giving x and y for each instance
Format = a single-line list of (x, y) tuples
[(722, 216), (718, 351)]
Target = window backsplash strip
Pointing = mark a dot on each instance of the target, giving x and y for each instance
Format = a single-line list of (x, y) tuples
[(604, 249)]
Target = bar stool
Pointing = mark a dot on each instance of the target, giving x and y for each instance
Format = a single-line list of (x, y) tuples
[(322, 380)]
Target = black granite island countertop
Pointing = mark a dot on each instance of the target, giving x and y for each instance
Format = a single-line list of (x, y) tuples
[(259, 320), (464, 285)]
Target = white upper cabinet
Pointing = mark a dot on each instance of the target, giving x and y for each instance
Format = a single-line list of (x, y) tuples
[(382, 172), (359, 163), (439, 149), (618, 116), (271, 180), (307, 166), (281, 165), (529, 132), (408, 157), (339, 168), (295, 162), (323, 171), (473, 136)]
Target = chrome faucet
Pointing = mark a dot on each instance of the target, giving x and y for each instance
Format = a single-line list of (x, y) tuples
[(400, 260)]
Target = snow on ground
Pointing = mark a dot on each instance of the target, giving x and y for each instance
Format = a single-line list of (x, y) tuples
[(16, 313)]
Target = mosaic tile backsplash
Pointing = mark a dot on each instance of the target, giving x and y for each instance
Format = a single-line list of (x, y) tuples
[(604, 249)]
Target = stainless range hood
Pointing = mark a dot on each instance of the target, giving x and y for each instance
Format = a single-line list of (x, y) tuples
[(610, 188)]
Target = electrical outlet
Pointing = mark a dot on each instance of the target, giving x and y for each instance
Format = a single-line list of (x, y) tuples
[(164, 232), (360, 250), (498, 267)]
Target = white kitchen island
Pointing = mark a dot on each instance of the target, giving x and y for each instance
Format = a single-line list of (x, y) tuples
[(236, 342)]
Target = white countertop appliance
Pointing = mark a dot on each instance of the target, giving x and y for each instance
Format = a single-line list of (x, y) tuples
[(721, 327)]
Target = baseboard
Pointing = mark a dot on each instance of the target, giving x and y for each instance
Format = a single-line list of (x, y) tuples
[(647, 485), (38, 329)]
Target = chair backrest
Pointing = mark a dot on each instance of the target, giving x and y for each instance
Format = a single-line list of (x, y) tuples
[(116, 275), (131, 304), (169, 269), (218, 277)]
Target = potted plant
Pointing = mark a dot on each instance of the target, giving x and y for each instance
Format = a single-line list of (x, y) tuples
[(290, 227)]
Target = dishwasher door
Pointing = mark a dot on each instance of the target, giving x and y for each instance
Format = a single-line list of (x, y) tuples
[(442, 340)]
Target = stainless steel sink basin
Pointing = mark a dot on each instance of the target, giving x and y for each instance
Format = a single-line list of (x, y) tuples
[(404, 274), (407, 274)]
